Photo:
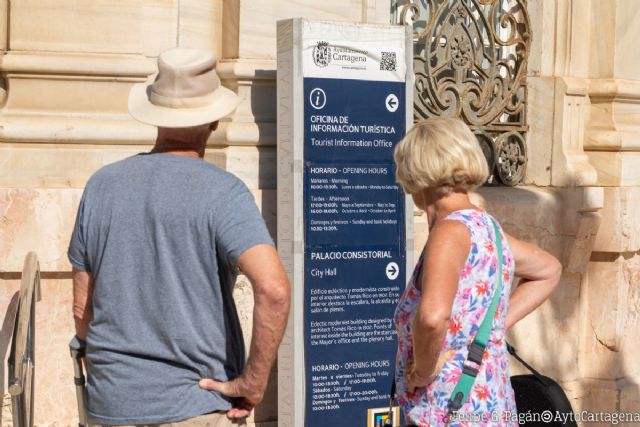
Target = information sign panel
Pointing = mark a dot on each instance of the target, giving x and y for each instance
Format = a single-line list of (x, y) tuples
[(348, 87)]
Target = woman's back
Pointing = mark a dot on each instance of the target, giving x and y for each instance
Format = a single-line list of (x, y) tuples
[(491, 401)]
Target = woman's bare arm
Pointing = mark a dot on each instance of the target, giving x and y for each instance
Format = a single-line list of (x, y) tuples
[(445, 254), (540, 272)]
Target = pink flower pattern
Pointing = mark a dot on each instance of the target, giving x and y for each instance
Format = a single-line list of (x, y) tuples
[(491, 399)]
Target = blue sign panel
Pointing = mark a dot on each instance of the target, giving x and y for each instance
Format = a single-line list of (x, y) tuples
[(354, 246), (356, 203), (352, 121)]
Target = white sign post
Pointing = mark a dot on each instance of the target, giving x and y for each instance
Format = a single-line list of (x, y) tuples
[(344, 225)]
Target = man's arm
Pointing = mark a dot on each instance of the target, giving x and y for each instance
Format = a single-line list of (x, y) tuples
[(272, 297), (82, 301)]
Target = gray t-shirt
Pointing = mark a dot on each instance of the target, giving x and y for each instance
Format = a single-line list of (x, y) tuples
[(161, 235)]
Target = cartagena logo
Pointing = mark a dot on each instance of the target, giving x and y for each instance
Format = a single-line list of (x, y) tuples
[(322, 54)]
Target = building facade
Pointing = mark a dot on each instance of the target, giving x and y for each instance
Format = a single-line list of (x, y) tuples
[(65, 73)]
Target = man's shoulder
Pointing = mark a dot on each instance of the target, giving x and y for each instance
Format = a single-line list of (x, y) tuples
[(189, 168), (209, 173), (113, 169)]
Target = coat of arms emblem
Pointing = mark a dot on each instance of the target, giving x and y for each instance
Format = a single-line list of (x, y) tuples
[(322, 54)]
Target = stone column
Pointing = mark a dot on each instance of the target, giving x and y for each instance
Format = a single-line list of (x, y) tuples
[(612, 288), (614, 89), (585, 63), (574, 96)]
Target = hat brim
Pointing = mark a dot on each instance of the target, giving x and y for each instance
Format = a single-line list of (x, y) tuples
[(222, 104)]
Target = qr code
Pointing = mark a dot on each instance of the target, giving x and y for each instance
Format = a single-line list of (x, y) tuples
[(388, 61)]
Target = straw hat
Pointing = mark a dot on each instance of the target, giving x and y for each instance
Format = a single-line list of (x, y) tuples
[(186, 92)]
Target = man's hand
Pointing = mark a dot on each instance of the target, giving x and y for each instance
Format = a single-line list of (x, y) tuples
[(246, 396)]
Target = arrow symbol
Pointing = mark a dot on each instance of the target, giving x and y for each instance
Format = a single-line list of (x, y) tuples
[(392, 102), (392, 271)]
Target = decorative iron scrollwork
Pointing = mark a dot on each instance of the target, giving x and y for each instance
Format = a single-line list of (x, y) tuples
[(511, 157), (470, 61), (488, 148)]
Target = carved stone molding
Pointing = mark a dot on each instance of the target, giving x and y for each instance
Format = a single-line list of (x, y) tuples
[(112, 129), (570, 164), (72, 98), (82, 98), (614, 123), (612, 139), (65, 65), (254, 121)]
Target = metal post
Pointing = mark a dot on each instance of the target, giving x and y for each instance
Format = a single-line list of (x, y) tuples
[(77, 349)]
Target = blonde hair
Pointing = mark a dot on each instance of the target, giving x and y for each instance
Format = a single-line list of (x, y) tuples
[(442, 154)]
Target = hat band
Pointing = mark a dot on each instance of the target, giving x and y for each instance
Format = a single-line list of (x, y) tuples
[(190, 102)]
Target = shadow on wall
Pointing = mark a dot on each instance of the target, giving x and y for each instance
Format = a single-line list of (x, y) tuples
[(264, 108), (268, 410), (562, 338)]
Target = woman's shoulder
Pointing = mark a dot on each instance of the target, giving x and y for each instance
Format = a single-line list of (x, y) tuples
[(473, 219), (449, 235)]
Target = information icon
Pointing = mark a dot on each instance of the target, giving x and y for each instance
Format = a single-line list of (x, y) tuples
[(318, 98), (392, 271)]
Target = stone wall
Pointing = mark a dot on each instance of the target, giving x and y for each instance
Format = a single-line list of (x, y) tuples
[(65, 73), (587, 50)]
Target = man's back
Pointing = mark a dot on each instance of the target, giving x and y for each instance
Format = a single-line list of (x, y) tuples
[(161, 235)]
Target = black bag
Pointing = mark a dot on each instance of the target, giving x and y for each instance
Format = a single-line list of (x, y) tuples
[(538, 396)]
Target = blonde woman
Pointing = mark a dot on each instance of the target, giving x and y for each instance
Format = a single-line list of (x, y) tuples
[(438, 163)]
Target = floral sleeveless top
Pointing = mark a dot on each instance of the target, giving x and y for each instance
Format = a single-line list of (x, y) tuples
[(491, 401)]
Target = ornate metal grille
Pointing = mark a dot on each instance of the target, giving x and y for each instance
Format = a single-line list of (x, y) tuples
[(470, 61)]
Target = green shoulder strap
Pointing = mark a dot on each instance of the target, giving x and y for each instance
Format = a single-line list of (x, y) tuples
[(471, 366)]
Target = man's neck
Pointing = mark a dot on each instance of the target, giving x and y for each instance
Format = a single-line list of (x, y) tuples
[(178, 148), (184, 142), (181, 153)]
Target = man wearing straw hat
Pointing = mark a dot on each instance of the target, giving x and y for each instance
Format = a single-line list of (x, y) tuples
[(157, 244)]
